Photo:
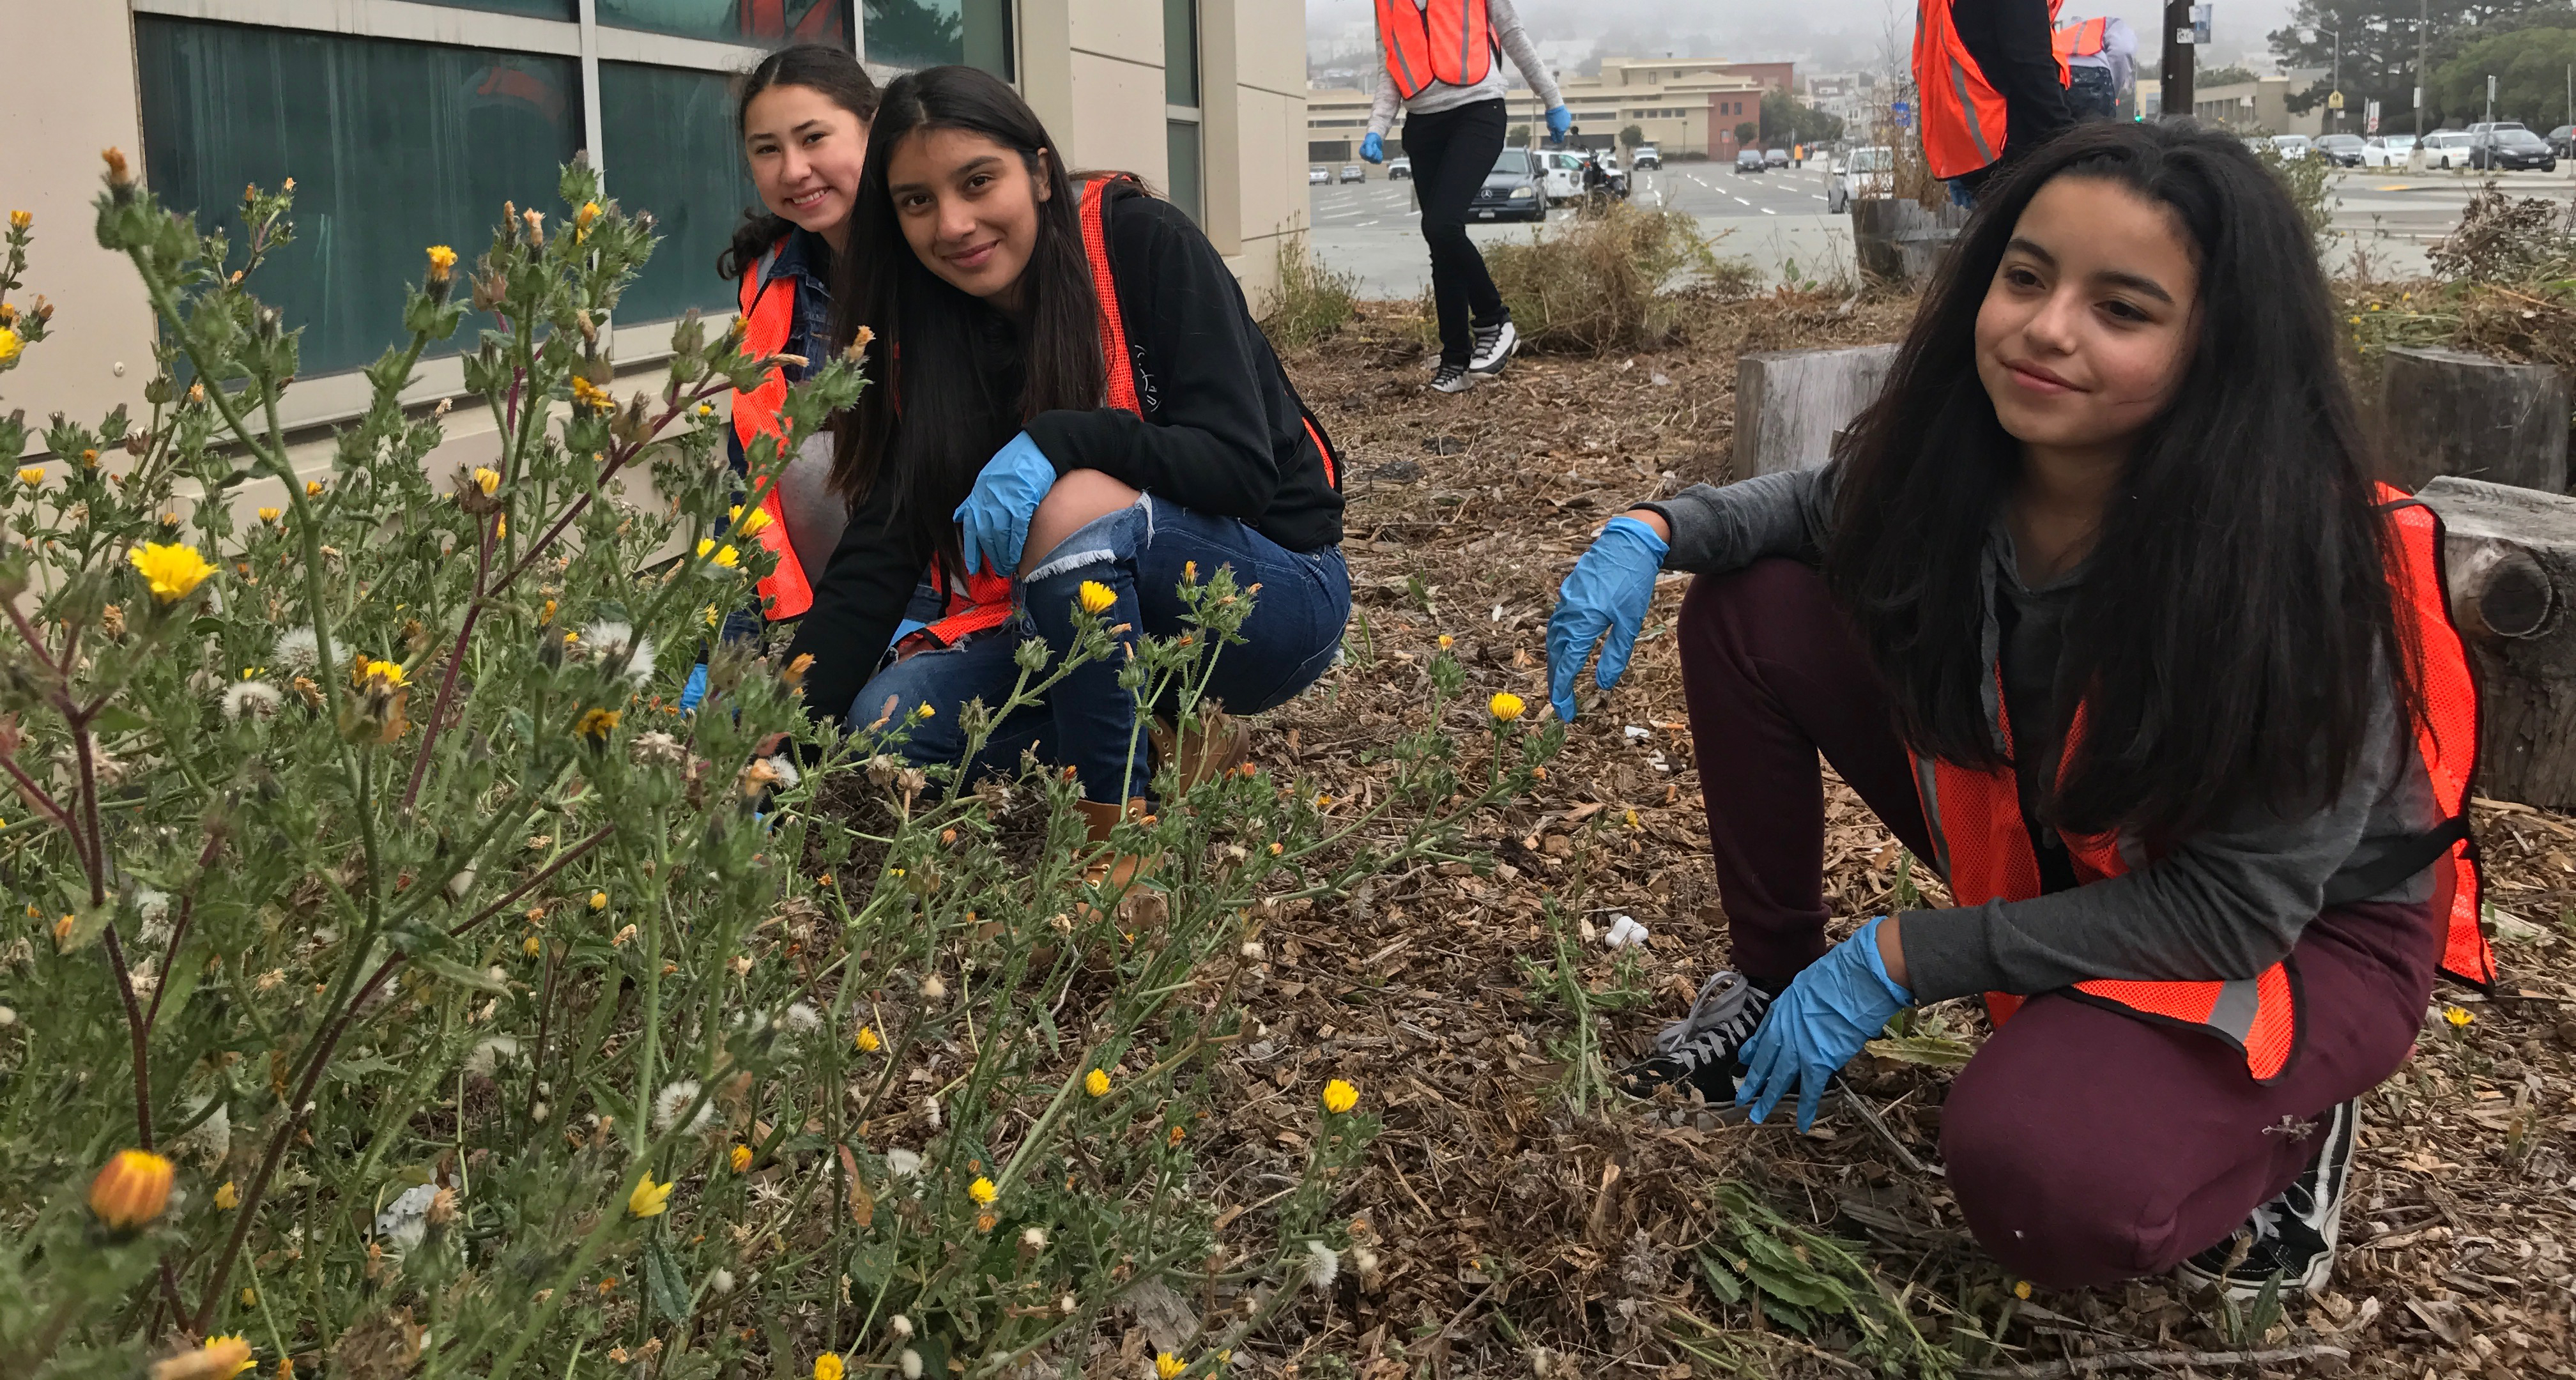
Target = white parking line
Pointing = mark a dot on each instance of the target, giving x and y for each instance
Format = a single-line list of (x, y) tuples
[(1769, 212), (1742, 202)]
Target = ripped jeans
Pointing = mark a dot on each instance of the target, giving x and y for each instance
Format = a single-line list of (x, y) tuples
[(1087, 721)]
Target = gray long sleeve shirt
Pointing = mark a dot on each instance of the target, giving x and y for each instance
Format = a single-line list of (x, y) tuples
[(1440, 95), (2225, 903)]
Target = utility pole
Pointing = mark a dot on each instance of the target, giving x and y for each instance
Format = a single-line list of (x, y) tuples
[(2176, 82), (2423, 21)]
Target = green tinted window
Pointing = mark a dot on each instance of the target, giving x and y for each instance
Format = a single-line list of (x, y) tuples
[(1181, 52), (1182, 137), (766, 23), (541, 9), (393, 147), (932, 33), (671, 151)]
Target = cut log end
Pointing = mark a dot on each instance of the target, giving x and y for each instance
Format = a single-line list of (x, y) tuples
[(2511, 598)]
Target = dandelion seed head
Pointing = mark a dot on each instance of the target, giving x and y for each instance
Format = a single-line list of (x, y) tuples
[(674, 1100), (298, 650), (1323, 1265), (610, 641), (251, 699)]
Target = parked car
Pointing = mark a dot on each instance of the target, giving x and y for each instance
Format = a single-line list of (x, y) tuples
[(1318, 173), (1776, 158), (2342, 150), (2482, 126), (1353, 172), (1646, 156), (1511, 190), (2448, 148), (1748, 161), (1399, 168), (2562, 141), (1863, 173), (2387, 151), (2511, 149), (2291, 147), (1560, 174)]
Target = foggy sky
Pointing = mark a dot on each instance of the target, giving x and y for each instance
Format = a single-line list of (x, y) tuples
[(1820, 35)]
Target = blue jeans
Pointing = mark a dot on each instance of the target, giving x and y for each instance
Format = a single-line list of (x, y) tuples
[(1087, 721)]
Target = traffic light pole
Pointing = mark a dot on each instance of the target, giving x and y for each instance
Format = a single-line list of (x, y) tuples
[(2176, 82)]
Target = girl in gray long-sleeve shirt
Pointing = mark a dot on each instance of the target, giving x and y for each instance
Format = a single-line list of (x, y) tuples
[(2113, 630), (1453, 133)]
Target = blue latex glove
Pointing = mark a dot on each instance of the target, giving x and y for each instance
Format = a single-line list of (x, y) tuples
[(1372, 147), (1608, 592), (1559, 120), (695, 690), (994, 519), (1840, 1003)]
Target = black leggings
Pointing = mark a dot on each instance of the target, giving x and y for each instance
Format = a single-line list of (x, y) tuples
[(1452, 150)]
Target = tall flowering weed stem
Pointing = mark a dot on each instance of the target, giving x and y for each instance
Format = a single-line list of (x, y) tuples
[(331, 940)]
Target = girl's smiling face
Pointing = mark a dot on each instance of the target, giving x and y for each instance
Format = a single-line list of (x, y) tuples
[(805, 152), (969, 207), (2090, 322)]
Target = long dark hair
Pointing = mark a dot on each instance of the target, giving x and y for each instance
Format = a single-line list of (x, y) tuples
[(931, 422), (2234, 614), (820, 67)]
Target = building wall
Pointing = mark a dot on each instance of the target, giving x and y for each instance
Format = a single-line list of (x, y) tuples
[(2261, 105)]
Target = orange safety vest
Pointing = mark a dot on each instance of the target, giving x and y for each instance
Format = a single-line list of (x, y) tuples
[(1984, 849), (768, 319), (1439, 41), (1963, 113), (2082, 38)]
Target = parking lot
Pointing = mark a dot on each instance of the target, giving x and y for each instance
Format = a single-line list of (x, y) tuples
[(1778, 221)]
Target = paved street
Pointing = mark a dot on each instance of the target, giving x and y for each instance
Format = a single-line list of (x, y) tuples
[(1777, 219)]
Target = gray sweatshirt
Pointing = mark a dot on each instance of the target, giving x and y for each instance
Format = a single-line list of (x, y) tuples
[(1440, 95), (2225, 903)]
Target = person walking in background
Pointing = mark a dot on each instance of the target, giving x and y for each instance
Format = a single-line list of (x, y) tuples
[(2101, 61), (2207, 848), (1990, 83), (1439, 65)]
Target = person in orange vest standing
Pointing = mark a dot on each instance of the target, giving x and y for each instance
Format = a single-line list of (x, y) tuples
[(1439, 67), (2052, 612), (1071, 415), (1989, 83), (803, 115), (2101, 61)]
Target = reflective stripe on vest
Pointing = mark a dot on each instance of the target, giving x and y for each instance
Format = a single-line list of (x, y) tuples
[(1427, 41), (1963, 114), (2082, 38), (1981, 843), (769, 317)]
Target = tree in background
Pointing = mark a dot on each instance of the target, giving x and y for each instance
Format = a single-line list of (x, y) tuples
[(1632, 136), (1786, 118), (2377, 44), (2230, 75), (2530, 68), (1748, 134)]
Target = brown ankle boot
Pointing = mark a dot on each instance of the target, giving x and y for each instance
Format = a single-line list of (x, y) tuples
[(1118, 873), (1203, 748)]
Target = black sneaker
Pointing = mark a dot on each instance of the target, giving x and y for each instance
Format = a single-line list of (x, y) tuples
[(2293, 1236), (1494, 344), (1452, 378), (1699, 1049)]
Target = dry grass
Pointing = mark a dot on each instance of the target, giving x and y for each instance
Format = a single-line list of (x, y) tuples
[(1623, 279)]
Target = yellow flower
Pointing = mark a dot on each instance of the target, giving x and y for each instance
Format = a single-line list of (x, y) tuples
[(599, 900), (706, 409), (268, 515), (487, 479), (441, 260), (924, 711), (313, 488), (390, 672), (596, 724), (1632, 820), (500, 528), (10, 345), (1168, 1366), (982, 1190), (221, 1358), (1340, 1097), (20, 220), (1096, 1083), (828, 1365), (532, 946), (1097, 597), (867, 1041), (227, 1197), (132, 1189), (739, 1158), (724, 556), (173, 570), (2021, 1288), (2458, 1016), (1447, 642), (649, 1198), (32, 475), (589, 212), (590, 395), (1177, 1134), (752, 522), (1505, 707)]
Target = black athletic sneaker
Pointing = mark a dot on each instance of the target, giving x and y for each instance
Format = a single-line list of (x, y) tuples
[(1494, 344), (1700, 1048), (2293, 1235), (1452, 378)]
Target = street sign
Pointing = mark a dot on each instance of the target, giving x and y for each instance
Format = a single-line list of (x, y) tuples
[(2334, 100), (2200, 16), (1902, 113), (2370, 117), (2183, 35)]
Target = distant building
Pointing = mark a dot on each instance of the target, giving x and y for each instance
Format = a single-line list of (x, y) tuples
[(2260, 106), (1685, 107)]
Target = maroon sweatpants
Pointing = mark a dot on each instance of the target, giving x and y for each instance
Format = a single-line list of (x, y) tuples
[(2083, 1146)]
